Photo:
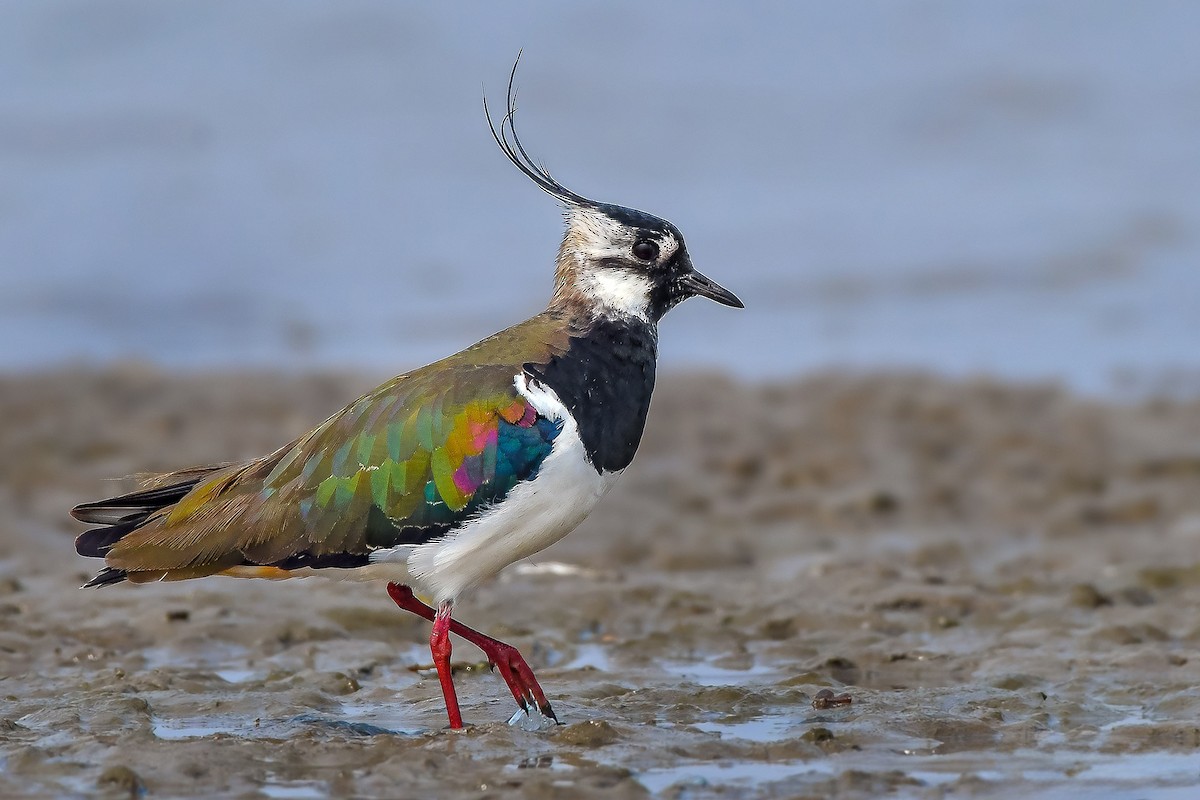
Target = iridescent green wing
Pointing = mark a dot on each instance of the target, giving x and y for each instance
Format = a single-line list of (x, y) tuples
[(401, 466), (408, 462)]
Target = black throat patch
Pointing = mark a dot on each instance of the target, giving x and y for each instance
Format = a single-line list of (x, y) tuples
[(605, 379)]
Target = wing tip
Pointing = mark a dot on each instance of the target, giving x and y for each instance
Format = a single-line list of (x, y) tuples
[(106, 577), (84, 512)]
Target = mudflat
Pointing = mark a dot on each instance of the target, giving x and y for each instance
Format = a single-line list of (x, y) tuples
[(850, 585)]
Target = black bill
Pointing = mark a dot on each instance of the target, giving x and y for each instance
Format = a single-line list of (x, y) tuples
[(700, 284)]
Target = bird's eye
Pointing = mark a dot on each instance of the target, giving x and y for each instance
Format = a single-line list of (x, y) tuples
[(645, 250)]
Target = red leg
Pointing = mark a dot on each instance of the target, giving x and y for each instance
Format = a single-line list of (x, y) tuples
[(503, 657), (439, 645)]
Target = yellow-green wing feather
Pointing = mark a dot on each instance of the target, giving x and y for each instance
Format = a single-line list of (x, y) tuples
[(408, 462)]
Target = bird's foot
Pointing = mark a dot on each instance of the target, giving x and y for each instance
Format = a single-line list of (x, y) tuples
[(504, 658), (515, 671), (531, 720)]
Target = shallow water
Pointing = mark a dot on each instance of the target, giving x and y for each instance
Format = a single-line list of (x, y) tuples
[(964, 186), (1002, 579), (751, 732)]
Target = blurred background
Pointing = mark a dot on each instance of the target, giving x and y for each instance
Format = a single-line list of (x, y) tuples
[(967, 187), (219, 221)]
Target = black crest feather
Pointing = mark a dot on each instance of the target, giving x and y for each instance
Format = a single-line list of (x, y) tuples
[(510, 144)]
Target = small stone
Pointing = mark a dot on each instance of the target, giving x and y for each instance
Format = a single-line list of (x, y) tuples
[(902, 604), (178, 615), (818, 735), (883, 502), (338, 683), (779, 629), (592, 733), (123, 779), (1084, 595), (826, 698)]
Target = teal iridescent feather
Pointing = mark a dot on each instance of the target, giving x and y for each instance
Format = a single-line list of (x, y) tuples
[(402, 475)]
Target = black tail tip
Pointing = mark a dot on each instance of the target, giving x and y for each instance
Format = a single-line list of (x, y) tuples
[(96, 543), (106, 576)]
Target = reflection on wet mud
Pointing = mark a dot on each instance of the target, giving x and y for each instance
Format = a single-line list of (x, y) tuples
[(1001, 582)]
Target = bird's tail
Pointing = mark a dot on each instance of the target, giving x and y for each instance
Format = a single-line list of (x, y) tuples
[(120, 516)]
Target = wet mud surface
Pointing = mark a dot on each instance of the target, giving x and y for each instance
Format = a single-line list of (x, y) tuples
[(842, 586)]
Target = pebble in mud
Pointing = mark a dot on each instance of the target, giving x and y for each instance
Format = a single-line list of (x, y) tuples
[(827, 698), (337, 683), (1084, 595), (122, 781), (592, 733), (818, 735)]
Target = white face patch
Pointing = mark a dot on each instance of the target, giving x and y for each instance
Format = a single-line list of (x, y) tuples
[(594, 238), (620, 292)]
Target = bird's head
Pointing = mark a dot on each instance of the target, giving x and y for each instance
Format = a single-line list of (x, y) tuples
[(614, 261)]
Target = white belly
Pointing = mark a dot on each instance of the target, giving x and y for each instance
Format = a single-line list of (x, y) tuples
[(530, 518)]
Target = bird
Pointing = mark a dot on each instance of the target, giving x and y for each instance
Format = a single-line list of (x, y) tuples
[(441, 477)]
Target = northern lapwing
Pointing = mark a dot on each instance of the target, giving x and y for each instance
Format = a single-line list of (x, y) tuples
[(443, 476)]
